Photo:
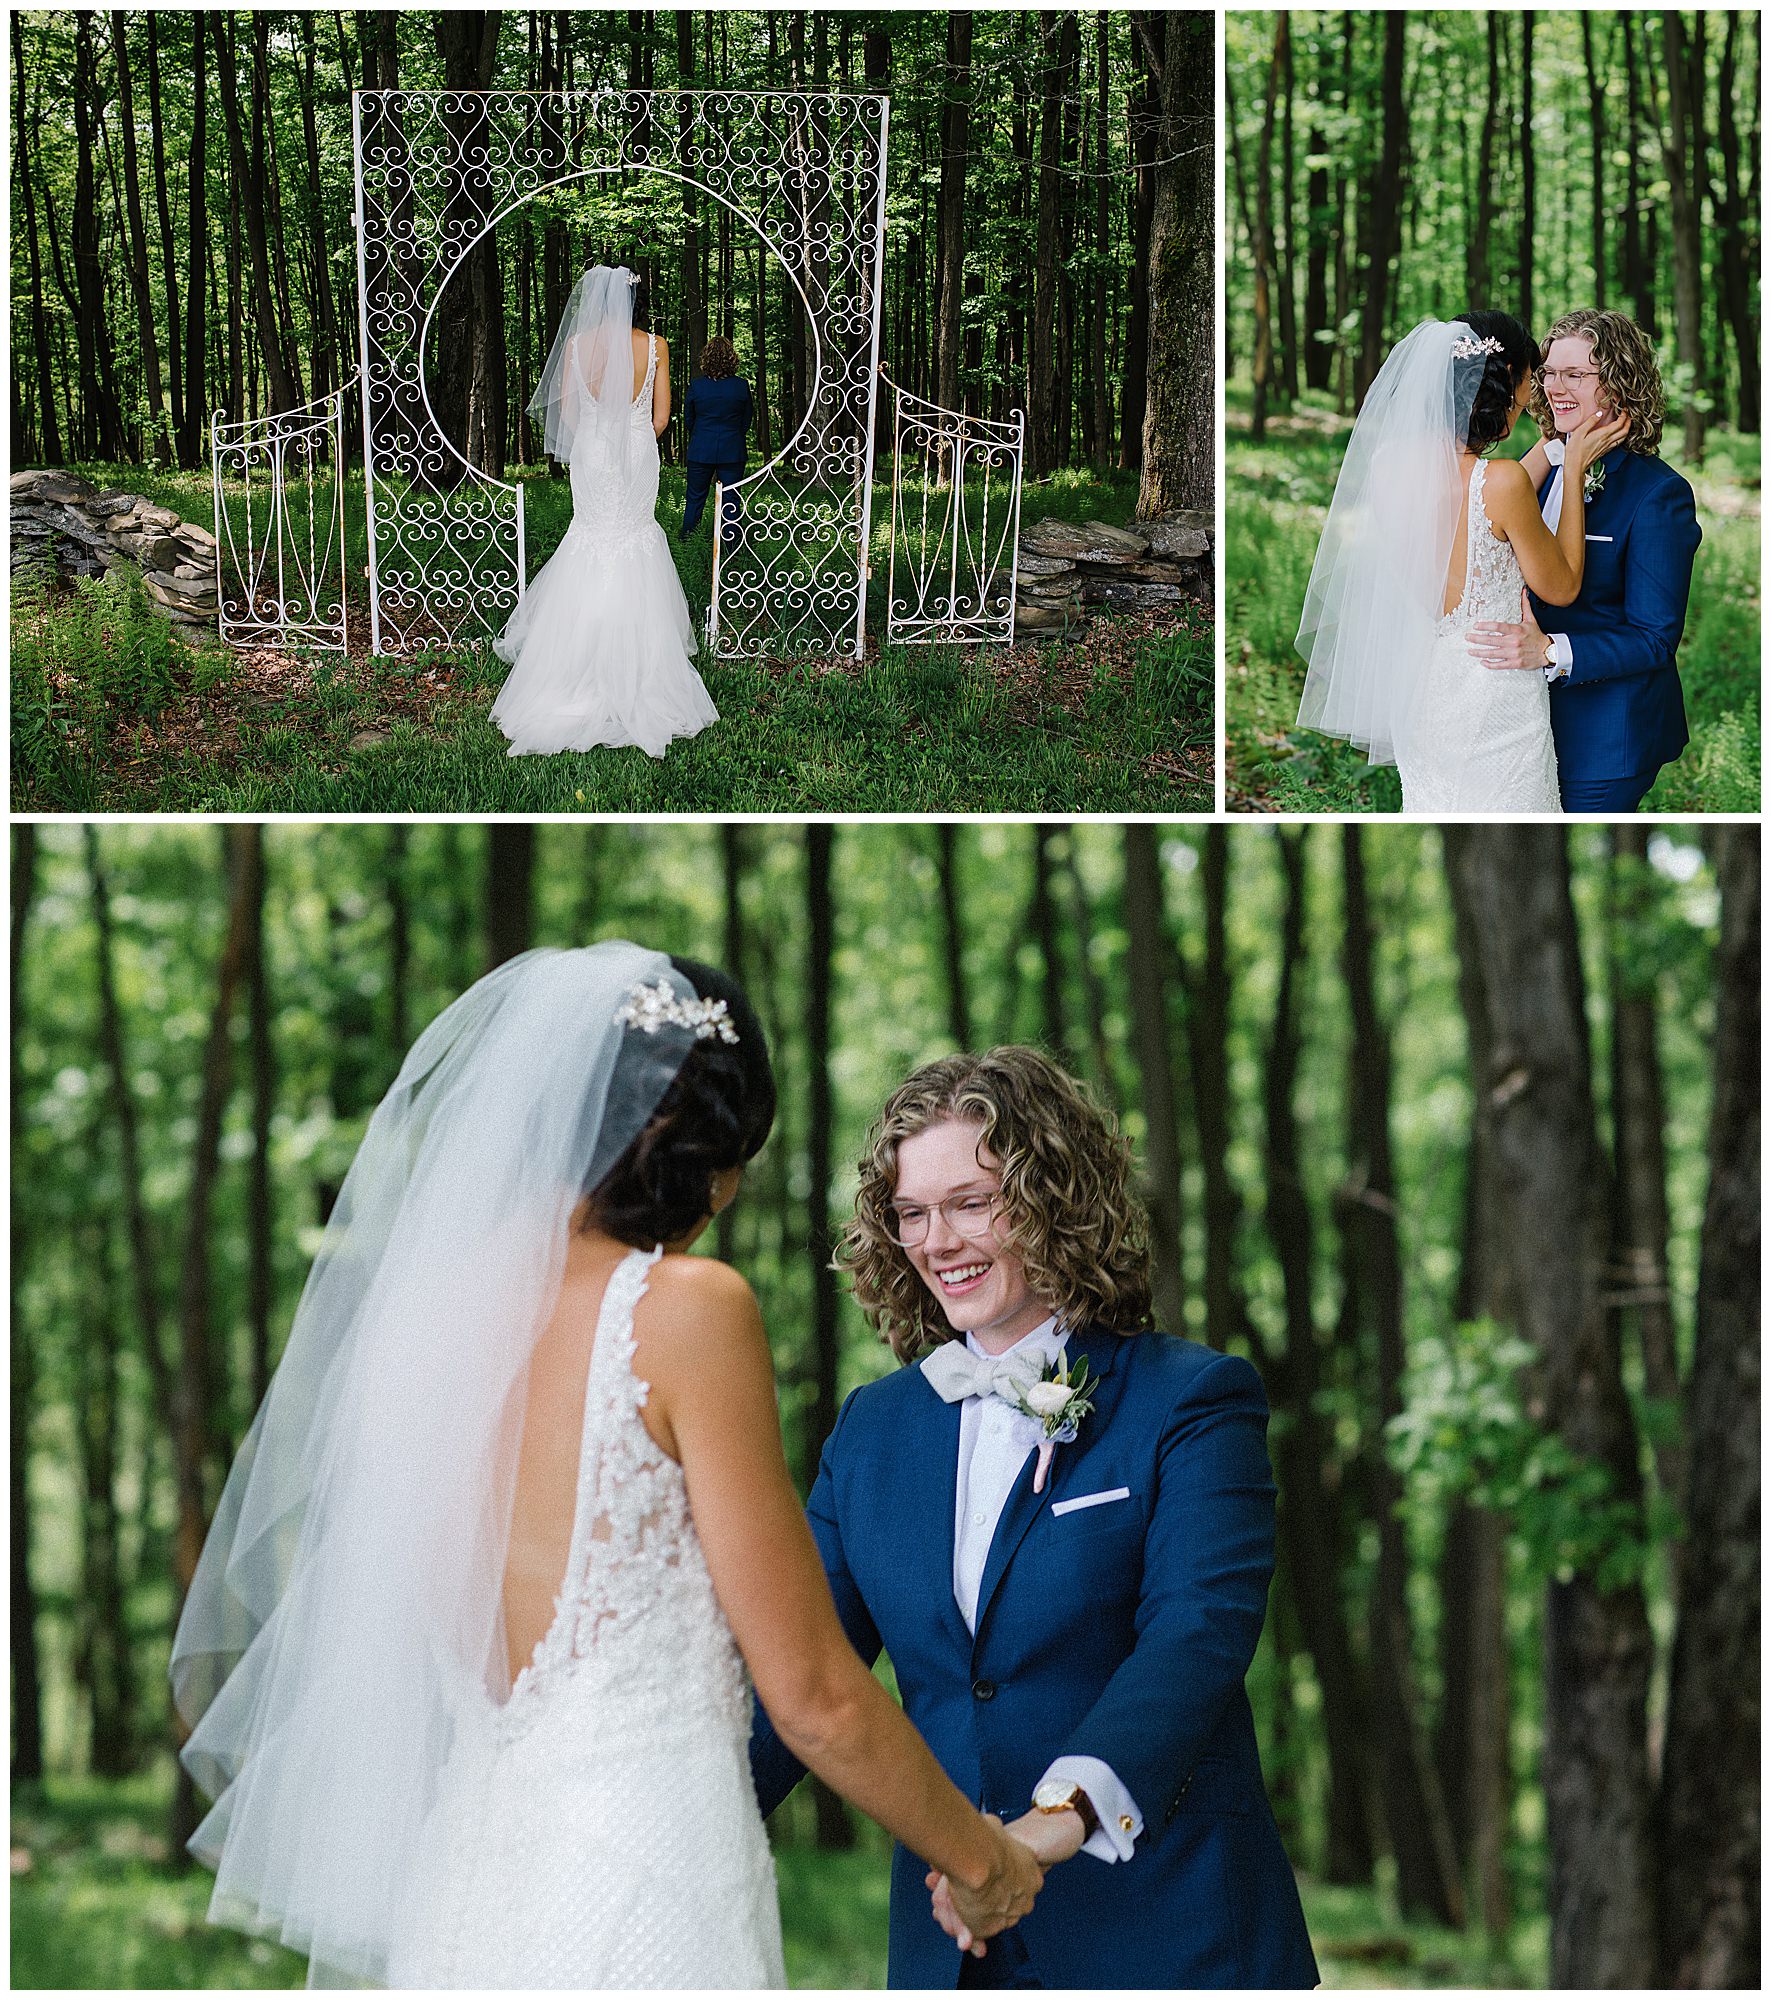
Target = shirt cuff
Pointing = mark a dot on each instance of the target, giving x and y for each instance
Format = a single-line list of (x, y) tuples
[(1564, 661), (1115, 1808)]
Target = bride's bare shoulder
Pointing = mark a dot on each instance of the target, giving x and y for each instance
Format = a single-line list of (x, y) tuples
[(699, 1299)]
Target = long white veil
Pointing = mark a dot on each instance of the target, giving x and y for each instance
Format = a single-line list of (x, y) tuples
[(346, 1616), (587, 384), (1377, 588)]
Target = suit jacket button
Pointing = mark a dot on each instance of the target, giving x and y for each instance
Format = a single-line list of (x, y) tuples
[(984, 1690)]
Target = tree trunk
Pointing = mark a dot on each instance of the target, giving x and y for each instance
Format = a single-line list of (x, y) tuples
[(1054, 33), (1285, 261), (694, 298), (260, 1260), (470, 339), (1596, 74), (328, 367), (1180, 418), (956, 109), (1641, 1281), (1527, 169), (1472, 1747), (1708, 1820), (1426, 1866), (163, 207), (731, 848), (1042, 928), (959, 1022), (100, 426), (1319, 332), (1511, 884), (1682, 161), (1383, 219), (190, 436), (248, 187), (510, 889), (138, 247), (1146, 121), (197, 1394), (49, 440), (1305, 1454), (1102, 422), (835, 1830), (1261, 245), (27, 1670), (104, 1664), (1148, 955), (1208, 1038), (1737, 253), (1477, 273), (144, 1271)]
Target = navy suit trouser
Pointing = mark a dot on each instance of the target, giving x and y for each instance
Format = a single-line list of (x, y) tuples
[(1607, 795), (701, 476)]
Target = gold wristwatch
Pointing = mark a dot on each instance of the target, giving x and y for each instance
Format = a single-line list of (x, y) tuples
[(1056, 1795)]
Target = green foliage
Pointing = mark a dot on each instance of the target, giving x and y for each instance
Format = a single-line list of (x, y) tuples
[(1466, 1433), (85, 663)]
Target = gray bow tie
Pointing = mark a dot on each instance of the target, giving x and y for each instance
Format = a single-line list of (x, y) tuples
[(954, 1372)]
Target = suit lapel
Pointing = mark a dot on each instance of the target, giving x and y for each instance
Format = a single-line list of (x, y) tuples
[(1104, 1350), (928, 1468)]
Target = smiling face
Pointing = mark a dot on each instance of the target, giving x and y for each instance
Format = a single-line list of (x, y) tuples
[(1571, 402), (977, 1278)]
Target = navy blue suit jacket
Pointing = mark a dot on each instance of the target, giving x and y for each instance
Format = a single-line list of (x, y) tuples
[(717, 418), (1121, 1631), (1622, 710)]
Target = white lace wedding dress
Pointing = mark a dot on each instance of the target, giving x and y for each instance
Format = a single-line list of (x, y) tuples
[(1479, 737), (600, 645), (600, 1829)]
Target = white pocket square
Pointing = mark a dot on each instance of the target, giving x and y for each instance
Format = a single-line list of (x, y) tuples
[(1601, 538), (1090, 1500)]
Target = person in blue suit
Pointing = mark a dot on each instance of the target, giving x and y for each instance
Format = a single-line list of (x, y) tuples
[(1616, 706), (717, 414), (1069, 1576)]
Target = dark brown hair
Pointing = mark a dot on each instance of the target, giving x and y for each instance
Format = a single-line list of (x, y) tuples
[(719, 358)]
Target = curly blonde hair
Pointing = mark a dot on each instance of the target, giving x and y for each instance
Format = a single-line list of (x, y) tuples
[(1080, 1232), (1629, 375)]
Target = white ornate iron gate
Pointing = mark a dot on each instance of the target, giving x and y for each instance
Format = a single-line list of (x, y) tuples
[(436, 170), (279, 524), (952, 569)]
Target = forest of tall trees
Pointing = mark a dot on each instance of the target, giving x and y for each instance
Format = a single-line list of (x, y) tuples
[(1455, 1135), (1389, 165), (182, 220)]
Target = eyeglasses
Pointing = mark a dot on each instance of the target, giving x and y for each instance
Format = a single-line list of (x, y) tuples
[(970, 1214), (1572, 376)]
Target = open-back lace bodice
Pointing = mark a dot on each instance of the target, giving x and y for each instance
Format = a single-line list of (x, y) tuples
[(1478, 738), (636, 1623), (600, 1829)]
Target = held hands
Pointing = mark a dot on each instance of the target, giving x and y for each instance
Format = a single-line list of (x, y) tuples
[(1590, 440), (1521, 645), (1044, 1839), (969, 1916)]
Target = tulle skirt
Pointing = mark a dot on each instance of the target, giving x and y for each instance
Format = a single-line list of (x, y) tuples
[(599, 650)]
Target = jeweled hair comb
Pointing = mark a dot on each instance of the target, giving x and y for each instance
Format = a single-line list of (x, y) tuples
[(650, 1008), (1468, 348)]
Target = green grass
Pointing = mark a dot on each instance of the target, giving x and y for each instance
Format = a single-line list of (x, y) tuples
[(1276, 496), (94, 1905), (109, 714)]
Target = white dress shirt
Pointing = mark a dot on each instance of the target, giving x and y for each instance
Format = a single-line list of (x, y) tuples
[(1552, 519), (990, 1460)]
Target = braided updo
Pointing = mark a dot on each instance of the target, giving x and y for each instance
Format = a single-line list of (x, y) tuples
[(716, 1114), (1491, 414)]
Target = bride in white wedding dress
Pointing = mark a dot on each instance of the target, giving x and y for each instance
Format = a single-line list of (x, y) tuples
[(1426, 537), (600, 644), (464, 1659)]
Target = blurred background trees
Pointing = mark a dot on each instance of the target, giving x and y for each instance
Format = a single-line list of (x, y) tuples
[(1456, 1136)]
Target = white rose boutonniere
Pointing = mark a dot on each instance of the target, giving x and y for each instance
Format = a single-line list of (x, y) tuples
[(1594, 482), (1055, 1406)]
